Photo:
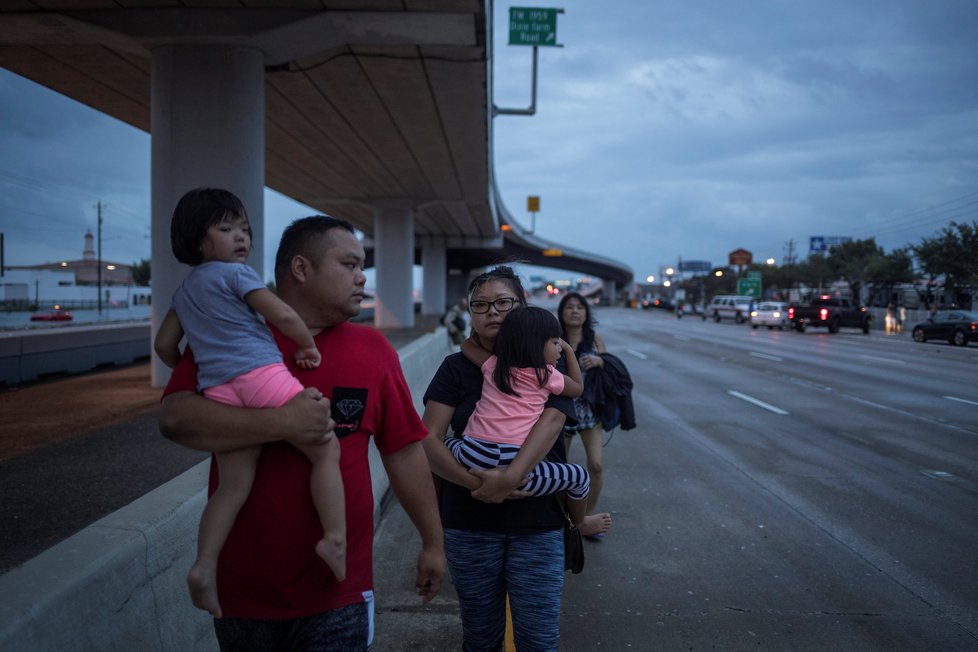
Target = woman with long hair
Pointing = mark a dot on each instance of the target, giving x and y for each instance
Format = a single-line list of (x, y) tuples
[(577, 329)]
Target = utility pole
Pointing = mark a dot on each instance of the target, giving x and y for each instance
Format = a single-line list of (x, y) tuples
[(789, 258), (100, 259)]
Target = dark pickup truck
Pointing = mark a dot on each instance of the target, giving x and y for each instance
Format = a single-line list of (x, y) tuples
[(830, 312)]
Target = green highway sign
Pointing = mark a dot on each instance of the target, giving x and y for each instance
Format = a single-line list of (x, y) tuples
[(532, 26), (749, 287)]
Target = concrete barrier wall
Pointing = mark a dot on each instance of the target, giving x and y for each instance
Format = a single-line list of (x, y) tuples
[(119, 584), (27, 355)]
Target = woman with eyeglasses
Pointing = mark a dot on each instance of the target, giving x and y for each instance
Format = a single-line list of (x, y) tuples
[(496, 546)]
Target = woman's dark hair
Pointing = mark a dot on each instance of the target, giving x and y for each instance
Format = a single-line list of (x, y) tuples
[(520, 343), (502, 273), (197, 211), (587, 330), (301, 238)]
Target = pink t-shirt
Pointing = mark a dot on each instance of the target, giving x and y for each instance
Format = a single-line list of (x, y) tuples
[(507, 419)]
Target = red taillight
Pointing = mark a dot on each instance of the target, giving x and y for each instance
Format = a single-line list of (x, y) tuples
[(791, 313), (823, 314), (973, 326)]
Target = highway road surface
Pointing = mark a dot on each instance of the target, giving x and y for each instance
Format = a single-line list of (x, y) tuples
[(783, 491)]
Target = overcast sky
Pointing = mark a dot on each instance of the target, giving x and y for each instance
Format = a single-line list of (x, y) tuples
[(663, 130)]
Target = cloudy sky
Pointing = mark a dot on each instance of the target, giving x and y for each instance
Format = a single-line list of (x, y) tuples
[(664, 130)]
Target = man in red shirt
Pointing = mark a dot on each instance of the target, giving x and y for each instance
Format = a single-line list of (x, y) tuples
[(275, 592)]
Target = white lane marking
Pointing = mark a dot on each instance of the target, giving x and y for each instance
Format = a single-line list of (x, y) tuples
[(766, 356), (681, 337), (637, 354), (760, 404), (961, 400), (890, 360)]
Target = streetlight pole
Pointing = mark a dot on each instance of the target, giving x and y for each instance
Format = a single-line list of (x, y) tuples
[(99, 277)]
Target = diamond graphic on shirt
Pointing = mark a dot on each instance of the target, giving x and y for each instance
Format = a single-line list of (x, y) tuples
[(349, 407)]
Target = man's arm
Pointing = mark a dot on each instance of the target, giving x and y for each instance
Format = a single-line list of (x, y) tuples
[(167, 342), (196, 422), (410, 478)]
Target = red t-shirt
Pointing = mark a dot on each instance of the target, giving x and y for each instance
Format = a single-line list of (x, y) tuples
[(268, 567)]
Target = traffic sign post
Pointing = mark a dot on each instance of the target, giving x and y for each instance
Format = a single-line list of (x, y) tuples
[(533, 26), (533, 207)]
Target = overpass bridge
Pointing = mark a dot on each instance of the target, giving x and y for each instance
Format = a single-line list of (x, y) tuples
[(378, 112)]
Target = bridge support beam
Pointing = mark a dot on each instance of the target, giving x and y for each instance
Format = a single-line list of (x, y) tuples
[(609, 292), (435, 272), (207, 107), (394, 260)]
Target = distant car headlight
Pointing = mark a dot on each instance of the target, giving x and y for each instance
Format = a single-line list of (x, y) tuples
[(777, 314), (753, 313)]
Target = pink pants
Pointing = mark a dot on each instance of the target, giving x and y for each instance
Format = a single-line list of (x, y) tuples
[(269, 386)]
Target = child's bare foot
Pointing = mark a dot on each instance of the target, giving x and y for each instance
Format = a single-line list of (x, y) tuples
[(594, 525), (333, 552), (203, 589)]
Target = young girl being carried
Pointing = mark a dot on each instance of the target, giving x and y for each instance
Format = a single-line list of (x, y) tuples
[(220, 306), (518, 379)]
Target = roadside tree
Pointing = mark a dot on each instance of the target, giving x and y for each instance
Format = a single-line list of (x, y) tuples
[(140, 272), (953, 254), (888, 271), (852, 261)]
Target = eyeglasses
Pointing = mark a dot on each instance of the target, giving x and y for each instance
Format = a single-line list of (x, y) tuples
[(501, 305)]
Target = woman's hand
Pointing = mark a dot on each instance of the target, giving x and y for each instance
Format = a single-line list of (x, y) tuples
[(591, 361), (496, 486)]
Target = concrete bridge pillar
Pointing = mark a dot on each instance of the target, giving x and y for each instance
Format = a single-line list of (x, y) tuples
[(394, 260), (609, 292), (207, 108), (433, 262)]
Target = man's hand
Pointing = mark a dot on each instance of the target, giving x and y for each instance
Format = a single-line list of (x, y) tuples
[(497, 486), (305, 418), (431, 573)]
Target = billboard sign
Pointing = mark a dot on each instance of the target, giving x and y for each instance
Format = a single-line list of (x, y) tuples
[(823, 243), (740, 258), (695, 266)]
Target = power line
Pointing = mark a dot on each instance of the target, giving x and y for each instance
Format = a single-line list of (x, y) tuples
[(946, 211)]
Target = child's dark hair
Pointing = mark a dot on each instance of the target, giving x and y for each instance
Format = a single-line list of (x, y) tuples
[(197, 211), (520, 343)]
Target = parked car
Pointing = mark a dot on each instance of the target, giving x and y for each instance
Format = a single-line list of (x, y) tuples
[(956, 326), (55, 314), (772, 314), (729, 306)]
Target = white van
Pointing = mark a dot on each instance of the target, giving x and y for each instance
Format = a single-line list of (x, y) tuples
[(729, 306)]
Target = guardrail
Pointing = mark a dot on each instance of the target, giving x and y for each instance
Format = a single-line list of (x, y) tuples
[(26, 356), (119, 584)]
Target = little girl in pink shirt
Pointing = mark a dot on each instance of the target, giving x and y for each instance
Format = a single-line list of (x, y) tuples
[(518, 379)]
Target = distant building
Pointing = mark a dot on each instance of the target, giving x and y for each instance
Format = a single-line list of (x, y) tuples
[(73, 283)]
